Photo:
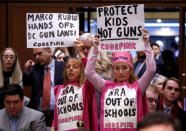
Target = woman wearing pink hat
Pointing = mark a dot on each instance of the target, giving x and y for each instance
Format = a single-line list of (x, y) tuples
[(121, 100)]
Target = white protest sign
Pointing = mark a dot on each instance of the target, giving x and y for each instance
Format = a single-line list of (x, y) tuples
[(120, 27), (69, 107), (51, 29), (120, 108)]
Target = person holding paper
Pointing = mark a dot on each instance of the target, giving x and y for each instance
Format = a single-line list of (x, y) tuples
[(87, 39), (43, 76), (75, 99), (122, 99), (60, 53)]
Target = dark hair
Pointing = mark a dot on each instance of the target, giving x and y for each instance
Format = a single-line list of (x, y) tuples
[(13, 89), (155, 44), (159, 118), (175, 80)]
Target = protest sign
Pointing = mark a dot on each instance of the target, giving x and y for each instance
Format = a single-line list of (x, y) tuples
[(120, 108), (120, 27), (51, 29), (69, 107)]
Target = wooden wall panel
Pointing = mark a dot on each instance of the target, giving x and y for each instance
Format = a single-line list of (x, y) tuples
[(132, 1), (3, 26)]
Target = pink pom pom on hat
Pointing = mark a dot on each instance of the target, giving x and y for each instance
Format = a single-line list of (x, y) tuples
[(124, 56)]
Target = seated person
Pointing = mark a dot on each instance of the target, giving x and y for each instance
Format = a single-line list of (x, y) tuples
[(152, 97), (158, 121), (10, 72), (15, 116)]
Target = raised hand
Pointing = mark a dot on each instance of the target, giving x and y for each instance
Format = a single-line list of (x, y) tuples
[(146, 38), (96, 41), (78, 44), (28, 65)]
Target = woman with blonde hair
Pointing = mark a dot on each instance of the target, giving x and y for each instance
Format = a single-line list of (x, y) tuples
[(75, 99), (10, 70), (104, 65)]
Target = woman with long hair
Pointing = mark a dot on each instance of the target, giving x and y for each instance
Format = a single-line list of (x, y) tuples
[(121, 99)]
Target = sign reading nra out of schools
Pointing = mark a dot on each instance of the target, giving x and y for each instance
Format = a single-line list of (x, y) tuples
[(51, 29), (120, 27)]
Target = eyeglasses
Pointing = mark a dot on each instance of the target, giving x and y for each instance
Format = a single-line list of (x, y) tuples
[(12, 102), (151, 100), (10, 57)]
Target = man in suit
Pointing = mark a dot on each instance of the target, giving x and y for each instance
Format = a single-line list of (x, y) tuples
[(15, 116), (34, 76), (156, 50), (140, 64), (168, 103)]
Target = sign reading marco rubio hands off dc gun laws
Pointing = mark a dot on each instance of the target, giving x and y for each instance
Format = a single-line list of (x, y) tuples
[(120, 27), (51, 29)]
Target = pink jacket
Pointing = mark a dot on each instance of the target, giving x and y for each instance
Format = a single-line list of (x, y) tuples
[(131, 112), (140, 85), (89, 115)]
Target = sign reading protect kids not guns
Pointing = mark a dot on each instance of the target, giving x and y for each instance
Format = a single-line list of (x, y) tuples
[(51, 29), (120, 27)]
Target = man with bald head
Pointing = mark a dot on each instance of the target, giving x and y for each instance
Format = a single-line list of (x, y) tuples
[(35, 74)]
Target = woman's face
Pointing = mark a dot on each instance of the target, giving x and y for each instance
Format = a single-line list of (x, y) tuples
[(60, 57), (159, 85), (9, 59), (121, 71), (73, 70)]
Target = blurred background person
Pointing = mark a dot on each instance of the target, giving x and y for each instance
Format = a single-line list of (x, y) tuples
[(140, 64), (158, 121), (156, 49), (172, 89), (103, 68), (152, 97), (87, 39), (158, 82), (104, 65), (61, 54), (168, 67)]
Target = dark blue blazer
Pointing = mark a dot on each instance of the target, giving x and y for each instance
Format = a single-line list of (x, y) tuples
[(36, 78), (143, 68)]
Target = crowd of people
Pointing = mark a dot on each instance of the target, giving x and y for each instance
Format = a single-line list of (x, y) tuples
[(104, 91)]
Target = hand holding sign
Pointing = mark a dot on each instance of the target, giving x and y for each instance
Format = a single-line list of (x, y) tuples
[(51, 29), (145, 36), (78, 44), (96, 41)]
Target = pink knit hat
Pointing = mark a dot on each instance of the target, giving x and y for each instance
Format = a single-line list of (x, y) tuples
[(124, 56)]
